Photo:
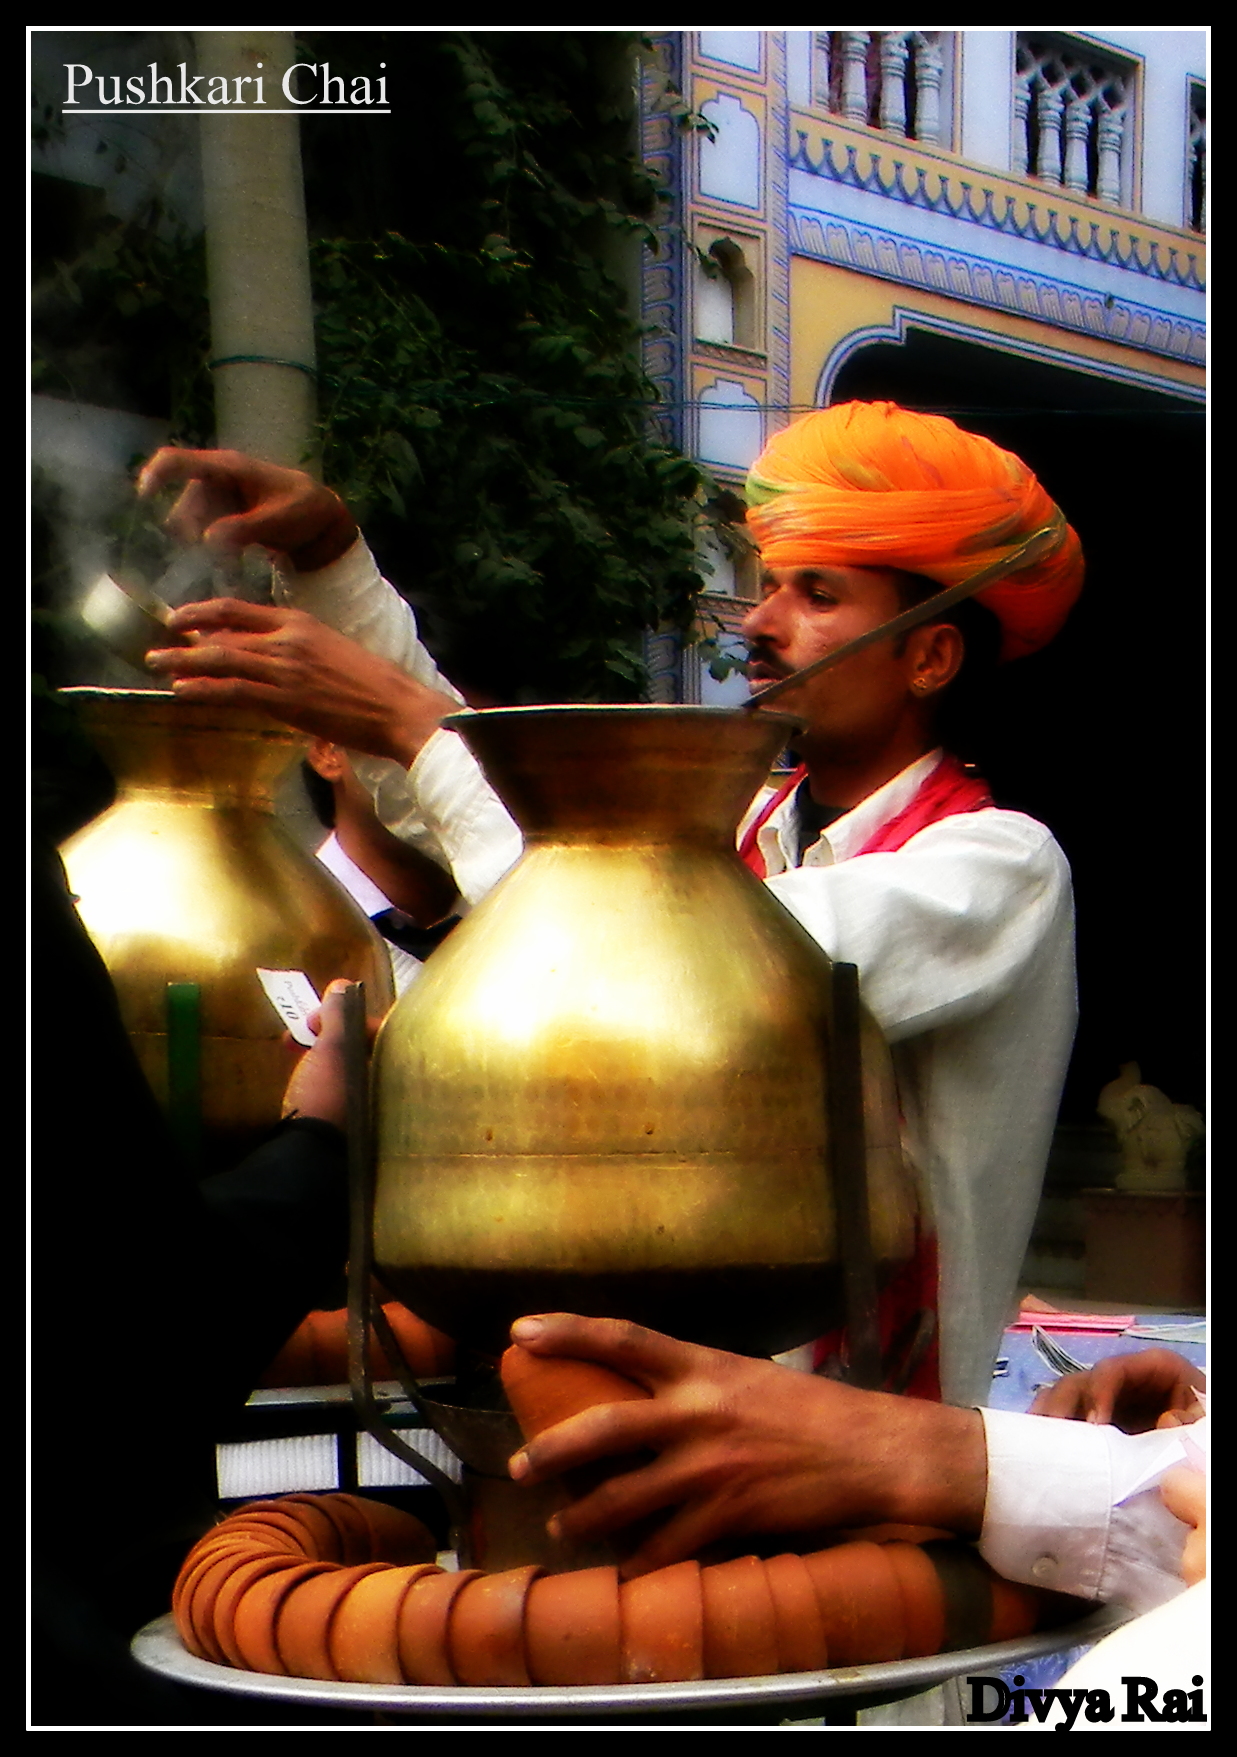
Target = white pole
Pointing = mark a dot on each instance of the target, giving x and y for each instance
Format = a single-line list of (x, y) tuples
[(257, 257)]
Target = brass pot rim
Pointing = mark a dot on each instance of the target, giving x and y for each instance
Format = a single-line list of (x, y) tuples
[(679, 710), (201, 716)]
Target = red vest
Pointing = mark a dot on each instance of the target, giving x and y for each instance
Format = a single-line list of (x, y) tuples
[(906, 1310)]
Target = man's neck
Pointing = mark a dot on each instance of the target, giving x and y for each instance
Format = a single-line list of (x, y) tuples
[(846, 781)]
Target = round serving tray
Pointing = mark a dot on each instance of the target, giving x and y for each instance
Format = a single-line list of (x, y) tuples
[(158, 1647)]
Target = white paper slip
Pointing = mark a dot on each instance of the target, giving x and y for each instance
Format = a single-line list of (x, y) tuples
[(294, 998)]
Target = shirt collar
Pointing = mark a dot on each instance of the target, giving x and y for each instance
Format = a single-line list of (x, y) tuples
[(360, 887), (848, 834)]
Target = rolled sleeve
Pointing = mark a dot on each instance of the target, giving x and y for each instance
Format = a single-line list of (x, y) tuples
[(443, 804)]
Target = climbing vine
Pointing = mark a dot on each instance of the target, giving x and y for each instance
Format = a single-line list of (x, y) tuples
[(482, 404)]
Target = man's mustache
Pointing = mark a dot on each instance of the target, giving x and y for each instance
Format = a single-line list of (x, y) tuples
[(758, 655)]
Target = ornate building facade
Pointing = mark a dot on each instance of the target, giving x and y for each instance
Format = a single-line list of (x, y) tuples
[(1007, 225)]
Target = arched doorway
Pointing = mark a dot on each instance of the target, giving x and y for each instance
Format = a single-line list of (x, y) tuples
[(1102, 735)]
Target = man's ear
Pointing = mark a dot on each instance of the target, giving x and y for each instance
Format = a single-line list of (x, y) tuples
[(327, 760), (936, 652)]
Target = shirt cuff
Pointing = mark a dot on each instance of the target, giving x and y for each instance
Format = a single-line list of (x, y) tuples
[(1050, 1518)]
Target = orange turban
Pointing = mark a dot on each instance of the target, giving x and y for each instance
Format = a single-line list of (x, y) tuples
[(872, 485)]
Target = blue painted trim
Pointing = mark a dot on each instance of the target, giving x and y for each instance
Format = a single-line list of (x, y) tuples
[(1046, 232), (976, 281), (905, 319)]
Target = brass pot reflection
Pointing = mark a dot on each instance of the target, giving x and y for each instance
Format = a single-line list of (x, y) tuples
[(606, 1092), (189, 878)]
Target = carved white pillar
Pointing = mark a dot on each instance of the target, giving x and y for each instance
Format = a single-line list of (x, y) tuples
[(1048, 115), (820, 68), (929, 67), (855, 75), (1196, 172), (1077, 129), (893, 82), (1022, 112), (1111, 129)]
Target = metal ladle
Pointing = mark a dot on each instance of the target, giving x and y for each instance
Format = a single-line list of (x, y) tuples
[(129, 619)]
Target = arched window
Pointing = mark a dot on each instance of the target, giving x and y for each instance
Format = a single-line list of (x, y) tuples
[(725, 296)]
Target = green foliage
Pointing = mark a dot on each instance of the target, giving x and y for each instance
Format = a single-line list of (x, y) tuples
[(483, 406), (123, 320)]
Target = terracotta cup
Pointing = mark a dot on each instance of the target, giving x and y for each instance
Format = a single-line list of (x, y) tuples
[(544, 1390), (572, 1629), (740, 1623), (302, 1631), (424, 1654), (363, 1639), (860, 1603), (801, 1643), (923, 1603), (662, 1619), (257, 1612), (486, 1628)]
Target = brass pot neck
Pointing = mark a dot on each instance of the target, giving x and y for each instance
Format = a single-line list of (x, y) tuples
[(161, 748), (616, 774)]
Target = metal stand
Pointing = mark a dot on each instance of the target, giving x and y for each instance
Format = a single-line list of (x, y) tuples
[(363, 1309)]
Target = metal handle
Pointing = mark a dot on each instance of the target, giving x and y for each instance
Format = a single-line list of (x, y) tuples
[(362, 1312)]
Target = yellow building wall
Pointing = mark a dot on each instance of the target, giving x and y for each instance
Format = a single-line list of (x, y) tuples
[(829, 304)]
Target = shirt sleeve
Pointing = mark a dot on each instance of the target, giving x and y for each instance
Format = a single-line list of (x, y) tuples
[(443, 804), (1075, 1508), (945, 927)]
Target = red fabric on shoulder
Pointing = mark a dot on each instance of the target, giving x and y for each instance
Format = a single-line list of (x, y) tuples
[(949, 791), (749, 851)]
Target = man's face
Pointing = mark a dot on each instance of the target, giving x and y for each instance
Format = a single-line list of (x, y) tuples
[(806, 612)]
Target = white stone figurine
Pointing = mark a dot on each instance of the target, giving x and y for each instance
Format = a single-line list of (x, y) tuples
[(1155, 1135)]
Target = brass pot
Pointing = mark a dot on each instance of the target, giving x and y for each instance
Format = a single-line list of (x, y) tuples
[(606, 1092), (189, 879)]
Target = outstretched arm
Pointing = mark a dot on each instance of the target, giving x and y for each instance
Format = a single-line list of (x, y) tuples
[(747, 1446)]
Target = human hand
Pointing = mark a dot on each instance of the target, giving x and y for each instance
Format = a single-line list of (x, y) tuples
[(746, 1446), (318, 1087), (231, 501), (1129, 1391), (1184, 1493), (298, 670)]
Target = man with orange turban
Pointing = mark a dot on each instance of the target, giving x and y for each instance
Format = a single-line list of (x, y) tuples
[(958, 915), (892, 854)]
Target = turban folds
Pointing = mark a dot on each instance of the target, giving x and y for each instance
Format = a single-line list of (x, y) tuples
[(873, 485)]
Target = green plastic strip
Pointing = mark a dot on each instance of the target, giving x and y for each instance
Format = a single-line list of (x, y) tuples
[(184, 1028)]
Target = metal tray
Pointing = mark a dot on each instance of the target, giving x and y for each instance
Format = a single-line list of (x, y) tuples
[(158, 1647)]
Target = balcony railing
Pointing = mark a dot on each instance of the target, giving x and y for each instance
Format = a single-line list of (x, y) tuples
[(887, 79), (1071, 112)]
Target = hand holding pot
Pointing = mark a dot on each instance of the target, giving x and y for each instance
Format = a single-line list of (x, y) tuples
[(230, 501), (295, 668), (747, 1446)]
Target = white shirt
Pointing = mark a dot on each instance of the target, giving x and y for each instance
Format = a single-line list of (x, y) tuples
[(372, 901), (963, 940)]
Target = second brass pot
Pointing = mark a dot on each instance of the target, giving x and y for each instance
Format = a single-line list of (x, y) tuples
[(606, 1092)]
